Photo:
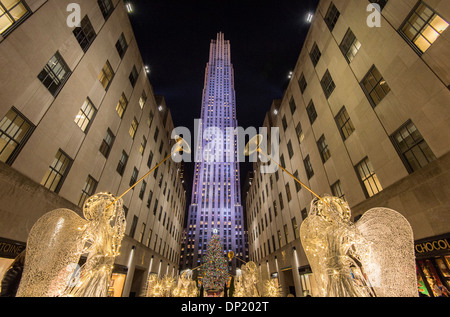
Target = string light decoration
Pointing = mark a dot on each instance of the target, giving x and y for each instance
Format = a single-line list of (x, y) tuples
[(373, 257), (271, 288), (247, 284), (215, 267)]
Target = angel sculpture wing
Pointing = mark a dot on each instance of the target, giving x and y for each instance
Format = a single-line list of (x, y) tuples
[(53, 250), (362, 260), (390, 265)]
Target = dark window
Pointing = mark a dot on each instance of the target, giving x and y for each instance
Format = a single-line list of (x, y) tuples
[(332, 16), (142, 192), (292, 105), (308, 167), (323, 149), (134, 176), (280, 197), (423, 27), (315, 54), (288, 192), (133, 76), (150, 160), (88, 190), (290, 149), (311, 110), (57, 172), (344, 124), (304, 213), (55, 74), (299, 132), (121, 45), (298, 187), (295, 228), (328, 84), (284, 122), (106, 7), (12, 13), (122, 163), (15, 130), (368, 178), (107, 143), (149, 200), (302, 83), (350, 46), (374, 86), (412, 148), (337, 191), (85, 34), (133, 226), (155, 137)]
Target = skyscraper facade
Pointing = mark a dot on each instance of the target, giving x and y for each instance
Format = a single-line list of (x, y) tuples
[(216, 198)]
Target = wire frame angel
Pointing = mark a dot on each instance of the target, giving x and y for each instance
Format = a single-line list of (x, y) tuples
[(247, 283), (102, 238), (374, 257)]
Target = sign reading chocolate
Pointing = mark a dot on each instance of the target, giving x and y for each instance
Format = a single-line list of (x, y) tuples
[(432, 245)]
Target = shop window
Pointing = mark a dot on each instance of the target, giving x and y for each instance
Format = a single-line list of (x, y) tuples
[(12, 13), (57, 172), (55, 74), (423, 27), (15, 131)]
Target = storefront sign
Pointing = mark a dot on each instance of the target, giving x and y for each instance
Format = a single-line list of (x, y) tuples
[(439, 244), (10, 249)]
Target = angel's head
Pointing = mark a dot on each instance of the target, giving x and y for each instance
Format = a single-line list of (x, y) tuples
[(331, 209), (101, 207)]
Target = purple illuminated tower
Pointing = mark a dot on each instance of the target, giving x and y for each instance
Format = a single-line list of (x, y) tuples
[(216, 197)]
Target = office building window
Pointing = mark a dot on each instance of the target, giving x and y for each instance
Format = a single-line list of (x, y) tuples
[(142, 191), (88, 190), (85, 34), (133, 76), (323, 149), (142, 100), (315, 54), (412, 148), (297, 184), (308, 167), (57, 172), (121, 45), (122, 105), (150, 160), (141, 234), (55, 74), (423, 27), (295, 228), (134, 176), (284, 123), (133, 226), (304, 213), (280, 197), (332, 16), (292, 105), (344, 123), (288, 192), (328, 84), (155, 136), (106, 75), (336, 190), (12, 13), (375, 87), (122, 163), (311, 110), (15, 130), (86, 115), (106, 7), (368, 178), (107, 143), (286, 234), (133, 128), (299, 132), (350, 46), (302, 83), (149, 200), (143, 145), (290, 149)]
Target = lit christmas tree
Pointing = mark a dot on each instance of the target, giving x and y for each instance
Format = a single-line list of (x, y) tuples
[(215, 268)]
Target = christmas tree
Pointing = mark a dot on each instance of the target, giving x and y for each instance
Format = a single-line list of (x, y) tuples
[(214, 266)]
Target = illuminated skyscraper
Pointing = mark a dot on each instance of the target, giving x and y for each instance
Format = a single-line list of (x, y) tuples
[(216, 196)]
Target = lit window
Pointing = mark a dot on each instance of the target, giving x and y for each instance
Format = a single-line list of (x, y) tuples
[(55, 74), (412, 148), (15, 130), (85, 115), (88, 190), (133, 128), (143, 145), (368, 178), (12, 12), (299, 132), (143, 100), (423, 27), (122, 105), (57, 172), (106, 75)]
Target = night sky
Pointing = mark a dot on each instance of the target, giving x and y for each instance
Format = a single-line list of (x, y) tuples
[(266, 38)]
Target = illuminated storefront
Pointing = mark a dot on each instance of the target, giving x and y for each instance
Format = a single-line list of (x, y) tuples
[(115, 287), (9, 250), (433, 266)]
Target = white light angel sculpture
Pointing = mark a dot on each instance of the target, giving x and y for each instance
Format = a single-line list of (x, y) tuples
[(373, 257)]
